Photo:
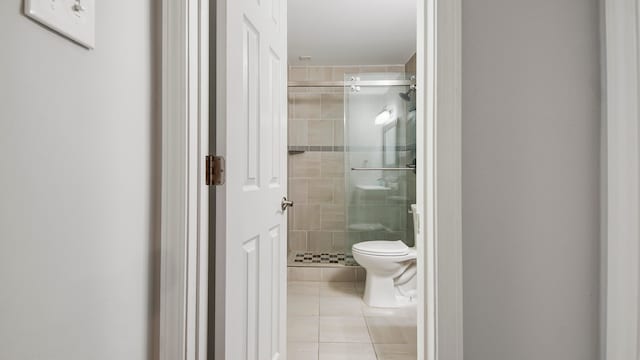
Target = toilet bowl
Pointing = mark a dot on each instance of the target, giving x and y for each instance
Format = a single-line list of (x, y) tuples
[(385, 262), (391, 271)]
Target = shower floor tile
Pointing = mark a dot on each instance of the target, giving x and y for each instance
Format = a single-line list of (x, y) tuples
[(320, 258)]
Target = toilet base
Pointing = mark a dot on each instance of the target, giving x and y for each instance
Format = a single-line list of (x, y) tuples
[(380, 291)]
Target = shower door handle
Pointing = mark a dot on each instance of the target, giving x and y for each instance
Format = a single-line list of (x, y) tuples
[(284, 204)]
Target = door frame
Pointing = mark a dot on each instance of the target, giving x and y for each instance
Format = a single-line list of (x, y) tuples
[(620, 200), (439, 185), (184, 204)]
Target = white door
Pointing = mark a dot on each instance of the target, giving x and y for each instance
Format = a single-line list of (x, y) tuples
[(251, 228)]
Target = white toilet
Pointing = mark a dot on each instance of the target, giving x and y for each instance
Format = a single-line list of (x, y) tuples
[(391, 271)]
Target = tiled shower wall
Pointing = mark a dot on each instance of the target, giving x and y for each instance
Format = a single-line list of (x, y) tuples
[(411, 65), (316, 176)]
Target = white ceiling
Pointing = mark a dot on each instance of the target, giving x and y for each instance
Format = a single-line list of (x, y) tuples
[(352, 32)]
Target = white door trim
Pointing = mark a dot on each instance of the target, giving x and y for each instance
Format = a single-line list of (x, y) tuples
[(621, 180), (184, 204), (439, 191), (184, 236)]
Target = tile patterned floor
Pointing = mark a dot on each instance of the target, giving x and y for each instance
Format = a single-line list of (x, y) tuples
[(319, 258), (329, 321)]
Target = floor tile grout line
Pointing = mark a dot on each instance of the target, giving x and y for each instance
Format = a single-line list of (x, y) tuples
[(361, 315), (319, 319), (371, 337)]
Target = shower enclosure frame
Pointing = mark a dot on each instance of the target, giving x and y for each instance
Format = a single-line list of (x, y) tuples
[(184, 280), (366, 155)]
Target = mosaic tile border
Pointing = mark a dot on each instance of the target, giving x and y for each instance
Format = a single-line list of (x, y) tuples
[(320, 258)]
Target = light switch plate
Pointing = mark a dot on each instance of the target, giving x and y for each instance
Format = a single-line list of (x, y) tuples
[(74, 19)]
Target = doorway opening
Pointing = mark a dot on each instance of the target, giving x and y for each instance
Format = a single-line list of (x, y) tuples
[(247, 279), (351, 258)]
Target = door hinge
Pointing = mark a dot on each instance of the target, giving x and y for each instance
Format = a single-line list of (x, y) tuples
[(214, 170)]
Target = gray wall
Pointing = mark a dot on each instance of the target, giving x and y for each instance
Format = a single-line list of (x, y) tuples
[(530, 179), (77, 155)]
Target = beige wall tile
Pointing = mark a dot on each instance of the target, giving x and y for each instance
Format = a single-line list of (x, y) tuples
[(299, 191), (306, 165), (320, 133), (332, 106), (320, 73), (338, 191), (298, 134), (338, 132), (317, 90), (297, 240), (338, 241), (332, 217), (373, 69), (320, 191), (320, 241), (290, 165), (410, 66), (396, 68), (307, 106), (339, 72), (298, 90), (332, 165), (298, 73), (290, 102), (290, 218), (306, 217)]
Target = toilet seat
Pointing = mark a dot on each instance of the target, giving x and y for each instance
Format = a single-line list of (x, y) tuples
[(382, 248)]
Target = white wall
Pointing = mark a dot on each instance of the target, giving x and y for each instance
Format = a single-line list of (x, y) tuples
[(78, 146), (530, 179)]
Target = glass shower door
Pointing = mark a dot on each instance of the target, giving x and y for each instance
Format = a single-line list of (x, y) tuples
[(380, 153)]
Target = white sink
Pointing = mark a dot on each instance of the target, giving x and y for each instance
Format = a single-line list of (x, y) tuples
[(373, 187)]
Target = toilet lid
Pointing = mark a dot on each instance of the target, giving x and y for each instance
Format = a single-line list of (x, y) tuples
[(382, 247)]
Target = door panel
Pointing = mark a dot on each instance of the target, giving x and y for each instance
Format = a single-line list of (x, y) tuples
[(251, 227), (275, 103)]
